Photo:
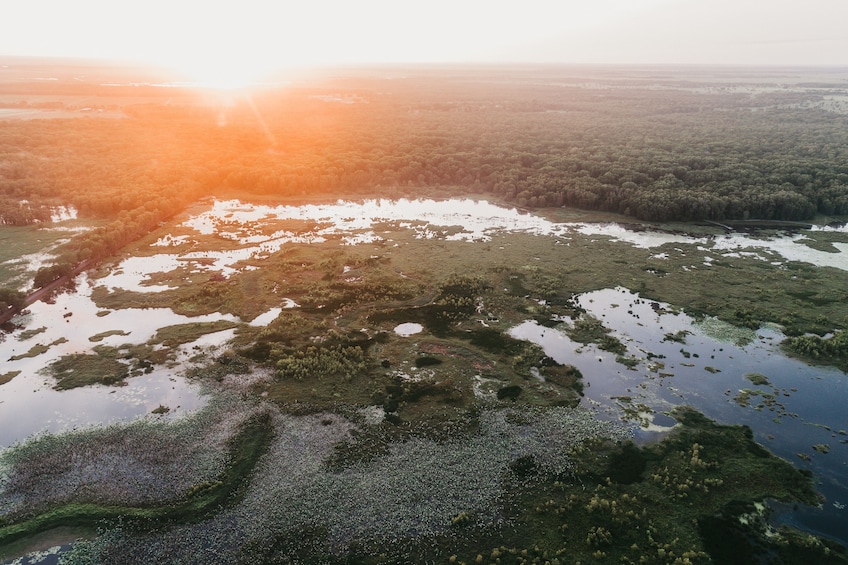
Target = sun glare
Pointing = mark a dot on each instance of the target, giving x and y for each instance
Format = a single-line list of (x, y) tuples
[(224, 73), (219, 77)]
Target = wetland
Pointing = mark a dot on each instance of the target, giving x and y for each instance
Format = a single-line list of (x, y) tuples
[(477, 315), (450, 351)]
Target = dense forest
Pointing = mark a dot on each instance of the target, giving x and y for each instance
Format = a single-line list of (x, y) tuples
[(656, 148)]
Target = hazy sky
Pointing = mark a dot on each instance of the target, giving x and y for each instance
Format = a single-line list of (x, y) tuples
[(251, 35)]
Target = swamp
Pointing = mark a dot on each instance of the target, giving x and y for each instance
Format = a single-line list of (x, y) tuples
[(417, 367)]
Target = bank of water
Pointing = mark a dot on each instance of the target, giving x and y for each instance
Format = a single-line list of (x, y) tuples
[(719, 370)]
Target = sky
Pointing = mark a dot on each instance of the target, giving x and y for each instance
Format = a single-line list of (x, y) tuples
[(253, 36)]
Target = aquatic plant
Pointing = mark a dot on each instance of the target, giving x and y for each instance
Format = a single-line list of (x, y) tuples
[(833, 348), (415, 489), (723, 331), (137, 464)]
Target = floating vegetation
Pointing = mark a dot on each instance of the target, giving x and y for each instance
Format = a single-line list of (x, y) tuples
[(720, 330), (83, 369), (103, 335), (37, 349), (179, 334), (588, 329), (415, 490), (27, 334), (757, 379), (7, 377), (677, 337)]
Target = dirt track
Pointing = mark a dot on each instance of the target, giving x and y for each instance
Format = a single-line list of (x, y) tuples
[(44, 292)]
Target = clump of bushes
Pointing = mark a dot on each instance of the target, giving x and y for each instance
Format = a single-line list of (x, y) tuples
[(833, 348), (320, 361)]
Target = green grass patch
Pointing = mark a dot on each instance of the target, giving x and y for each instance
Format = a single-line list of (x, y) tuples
[(84, 369), (757, 379), (172, 336), (26, 334)]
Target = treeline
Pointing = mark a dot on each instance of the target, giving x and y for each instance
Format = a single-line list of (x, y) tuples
[(22, 213), (655, 150), (657, 156)]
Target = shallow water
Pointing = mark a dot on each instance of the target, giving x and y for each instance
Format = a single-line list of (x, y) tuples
[(253, 226), (29, 404), (709, 373), (408, 329), (805, 398)]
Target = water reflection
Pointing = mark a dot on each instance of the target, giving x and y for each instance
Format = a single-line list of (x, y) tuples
[(683, 361), (469, 220), (74, 324), (799, 408), (30, 405), (260, 230), (408, 329)]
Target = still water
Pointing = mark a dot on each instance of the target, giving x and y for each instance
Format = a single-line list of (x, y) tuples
[(713, 367)]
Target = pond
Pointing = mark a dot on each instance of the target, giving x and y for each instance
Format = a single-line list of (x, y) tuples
[(72, 324), (408, 329), (733, 376)]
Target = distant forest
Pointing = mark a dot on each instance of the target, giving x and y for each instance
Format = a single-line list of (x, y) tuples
[(653, 148)]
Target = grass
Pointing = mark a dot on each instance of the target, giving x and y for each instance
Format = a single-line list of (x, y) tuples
[(336, 354), (172, 336), (559, 490), (84, 369), (37, 350), (17, 242), (103, 335), (245, 449)]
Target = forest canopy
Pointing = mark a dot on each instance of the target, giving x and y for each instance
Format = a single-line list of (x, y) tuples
[(657, 148)]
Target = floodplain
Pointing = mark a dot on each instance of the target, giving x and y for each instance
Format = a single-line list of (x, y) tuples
[(433, 315), (442, 379)]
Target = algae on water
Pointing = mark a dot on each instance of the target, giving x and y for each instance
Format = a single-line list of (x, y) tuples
[(722, 331)]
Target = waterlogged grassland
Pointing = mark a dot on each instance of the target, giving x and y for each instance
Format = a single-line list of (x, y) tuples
[(143, 473), (390, 420), (17, 245), (513, 484)]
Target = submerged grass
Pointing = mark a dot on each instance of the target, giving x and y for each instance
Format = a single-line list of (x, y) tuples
[(517, 475), (146, 472)]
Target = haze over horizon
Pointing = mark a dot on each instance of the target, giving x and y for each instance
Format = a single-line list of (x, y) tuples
[(251, 37)]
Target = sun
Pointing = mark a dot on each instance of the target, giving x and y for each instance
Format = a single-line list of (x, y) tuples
[(225, 72), (219, 76)]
